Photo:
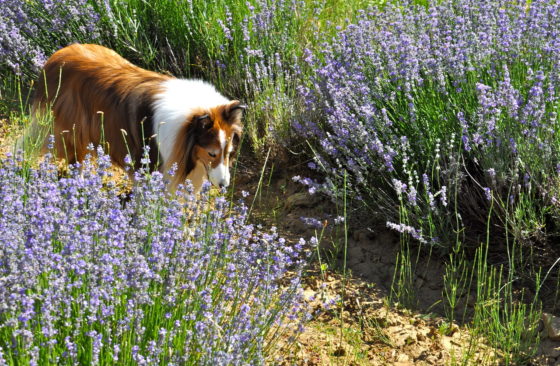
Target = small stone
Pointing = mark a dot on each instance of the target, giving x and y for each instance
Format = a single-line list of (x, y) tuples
[(454, 331), (551, 326), (403, 358), (309, 293), (550, 348), (301, 199)]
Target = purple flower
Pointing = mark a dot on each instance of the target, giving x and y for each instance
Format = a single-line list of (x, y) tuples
[(385, 96), (312, 222), (76, 261), (30, 31), (407, 229), (338, 220), (487, 193)]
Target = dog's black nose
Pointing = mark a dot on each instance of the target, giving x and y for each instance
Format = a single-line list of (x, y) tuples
[(223, 183)]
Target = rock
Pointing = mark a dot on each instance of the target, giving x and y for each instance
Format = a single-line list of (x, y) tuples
[(361, 236), (309, 294), (401, 337), (450, 344), (301, 199), (551, 326), (415, 353), (403, 358), (454, 331), (420, 282), (295, 225), (433, 333), (550, 348)]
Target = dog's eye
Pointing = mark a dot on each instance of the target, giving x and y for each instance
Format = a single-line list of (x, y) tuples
[(212, 155)]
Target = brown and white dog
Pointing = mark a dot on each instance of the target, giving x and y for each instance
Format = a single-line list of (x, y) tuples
[(95, 95)]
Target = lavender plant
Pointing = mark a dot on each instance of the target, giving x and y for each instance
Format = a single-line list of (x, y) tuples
[(246, 48), (31, 30), (87, 278), (431, 108), (249, 49)]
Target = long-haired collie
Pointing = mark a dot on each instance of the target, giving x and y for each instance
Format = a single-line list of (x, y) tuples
[(96, 96)]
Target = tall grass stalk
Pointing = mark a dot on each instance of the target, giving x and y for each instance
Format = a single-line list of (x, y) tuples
[(403, 288), (504, 318), (457, 278), (344, 263), (258, 190), (507, 321), (456, 283)]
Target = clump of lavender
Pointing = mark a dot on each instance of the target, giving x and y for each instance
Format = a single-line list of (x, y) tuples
[(427, 107), (87, 277), (246, 48), (31, 30), (260, 37)]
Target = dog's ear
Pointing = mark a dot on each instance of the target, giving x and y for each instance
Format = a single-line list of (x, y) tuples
[(233, 112), (203, 123)]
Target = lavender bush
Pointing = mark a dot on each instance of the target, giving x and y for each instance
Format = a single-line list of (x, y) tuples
[(246, 48), (434, 111), (249, 49), (89, 278), (31, 30)]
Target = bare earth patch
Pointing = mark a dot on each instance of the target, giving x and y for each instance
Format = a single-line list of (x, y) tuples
[(364, 329)]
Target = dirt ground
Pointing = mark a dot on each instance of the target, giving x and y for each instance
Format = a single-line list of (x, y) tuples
[(363, 328)]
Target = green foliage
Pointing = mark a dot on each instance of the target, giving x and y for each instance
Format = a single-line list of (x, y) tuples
[(255, 51)]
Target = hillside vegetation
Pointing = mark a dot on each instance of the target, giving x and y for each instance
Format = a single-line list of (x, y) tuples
[(435, 120)]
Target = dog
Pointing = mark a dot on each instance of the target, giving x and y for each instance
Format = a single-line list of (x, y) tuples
[(98, 97)]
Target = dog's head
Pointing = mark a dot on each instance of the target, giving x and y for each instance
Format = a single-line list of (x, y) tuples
[(218, 134), (212, 141)]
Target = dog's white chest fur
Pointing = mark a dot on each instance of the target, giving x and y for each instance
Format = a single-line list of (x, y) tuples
[(172, 107)]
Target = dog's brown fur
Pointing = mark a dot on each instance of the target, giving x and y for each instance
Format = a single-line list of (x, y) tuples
[(93, 92), (95, 95)]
